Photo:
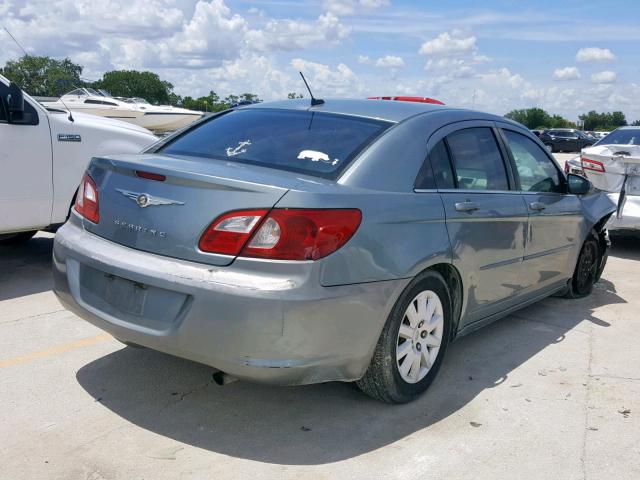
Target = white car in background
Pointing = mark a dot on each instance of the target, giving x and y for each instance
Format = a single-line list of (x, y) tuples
[(628, 219), (43, 155)]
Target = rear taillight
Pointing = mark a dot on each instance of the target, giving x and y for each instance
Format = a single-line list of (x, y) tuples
[(567, 169), (229, 232), (87, 203), (282, 234), (592, 165)]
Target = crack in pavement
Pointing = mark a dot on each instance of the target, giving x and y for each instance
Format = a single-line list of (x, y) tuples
[(614, 377), (6, 322), (184, 395)]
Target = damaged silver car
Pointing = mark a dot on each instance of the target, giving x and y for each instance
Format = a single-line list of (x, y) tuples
[(349, 240)]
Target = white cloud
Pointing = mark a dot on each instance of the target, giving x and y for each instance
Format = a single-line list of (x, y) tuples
[(340, 81), (352, 7), (365, 59), (390, 61), (566, 73), (606, 76), (287, 34), (502, 78), (456, 67), (454, 43), (594, 54)]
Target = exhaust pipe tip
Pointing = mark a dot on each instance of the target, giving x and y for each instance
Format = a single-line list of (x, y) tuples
[(222, 378)]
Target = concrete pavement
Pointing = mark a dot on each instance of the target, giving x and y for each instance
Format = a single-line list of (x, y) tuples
[(552, 391)]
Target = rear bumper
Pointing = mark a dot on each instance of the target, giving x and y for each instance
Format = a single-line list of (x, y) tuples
[(630, 218), (268, 322)]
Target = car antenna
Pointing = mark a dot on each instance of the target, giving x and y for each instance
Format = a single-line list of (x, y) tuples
[(314, 101), (70, 117), (17, 43), (26, 55)]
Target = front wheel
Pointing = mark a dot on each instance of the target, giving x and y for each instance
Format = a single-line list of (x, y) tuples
[(412, 344), (587, 270)]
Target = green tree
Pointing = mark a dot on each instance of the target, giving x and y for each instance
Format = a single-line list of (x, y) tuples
[(231, 99), (132, 83), (636, 123), (602, 121), (294, 95), (537, 118), (249, 97), (618, 119), (557, 121), (43, 76)]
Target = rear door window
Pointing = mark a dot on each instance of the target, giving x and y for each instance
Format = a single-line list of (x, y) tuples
[(314, 143), (441, 163), (536, 171), (477, 160)]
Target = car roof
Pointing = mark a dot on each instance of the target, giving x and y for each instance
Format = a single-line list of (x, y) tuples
[(390, 110), (628, 127)]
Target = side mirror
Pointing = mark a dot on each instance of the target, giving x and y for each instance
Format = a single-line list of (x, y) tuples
[(15, 99), (577, 185)]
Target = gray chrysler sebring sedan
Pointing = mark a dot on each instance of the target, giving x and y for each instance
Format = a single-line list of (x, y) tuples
[(350, 240)]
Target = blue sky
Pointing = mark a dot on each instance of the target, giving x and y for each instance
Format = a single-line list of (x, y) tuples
[(567, 57)]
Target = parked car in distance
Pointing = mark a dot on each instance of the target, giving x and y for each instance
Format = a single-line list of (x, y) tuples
[(349, 240), (629, 221), (574, 166), (43, 156), (620, 136), (565, 140), (600, 134)]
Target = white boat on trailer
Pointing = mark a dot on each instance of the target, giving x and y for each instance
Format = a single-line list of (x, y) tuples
[(157, 118), (161, 118)]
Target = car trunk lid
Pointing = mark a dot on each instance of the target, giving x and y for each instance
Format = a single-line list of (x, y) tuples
[(168, 215)]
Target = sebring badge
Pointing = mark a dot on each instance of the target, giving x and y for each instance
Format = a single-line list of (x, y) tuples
[(146, 200)]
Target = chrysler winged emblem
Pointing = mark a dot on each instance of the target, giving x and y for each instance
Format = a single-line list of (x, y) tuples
[(145, 200)]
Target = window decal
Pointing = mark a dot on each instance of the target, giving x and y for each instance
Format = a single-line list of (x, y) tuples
[(232, 152)]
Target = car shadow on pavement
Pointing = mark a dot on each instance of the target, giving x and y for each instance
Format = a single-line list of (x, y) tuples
[(324, 423), (26, 269)]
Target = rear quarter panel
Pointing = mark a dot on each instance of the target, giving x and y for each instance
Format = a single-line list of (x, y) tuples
[(401, 234)]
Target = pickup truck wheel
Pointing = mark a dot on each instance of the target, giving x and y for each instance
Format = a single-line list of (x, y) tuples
[(412, 344), (549, 147), (16, 238), (587, 270)]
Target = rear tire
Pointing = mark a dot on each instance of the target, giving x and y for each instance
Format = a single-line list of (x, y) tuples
[(549, 147), (588, 269), (16, 238), (423, 312)]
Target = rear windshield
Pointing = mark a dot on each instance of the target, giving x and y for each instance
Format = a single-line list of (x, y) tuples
[(314, 143), (629, 136)]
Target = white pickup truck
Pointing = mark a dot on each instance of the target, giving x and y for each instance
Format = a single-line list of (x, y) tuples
[(43, 154)]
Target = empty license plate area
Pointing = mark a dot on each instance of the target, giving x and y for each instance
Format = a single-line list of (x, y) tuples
[(129, 300), (124, 294)]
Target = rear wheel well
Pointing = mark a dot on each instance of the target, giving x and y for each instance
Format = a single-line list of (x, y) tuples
[(454, 282), (599, 231)]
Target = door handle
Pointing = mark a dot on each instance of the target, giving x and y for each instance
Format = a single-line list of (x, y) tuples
[(467, 206), (537, 206)]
